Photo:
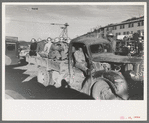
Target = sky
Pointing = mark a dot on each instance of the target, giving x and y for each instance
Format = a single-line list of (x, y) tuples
[(34, 21)]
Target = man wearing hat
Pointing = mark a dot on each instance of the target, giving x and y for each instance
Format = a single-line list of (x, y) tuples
[(64, 47), (112, 41), (40, 45), (33, 47), (55, 50), (47, 47)]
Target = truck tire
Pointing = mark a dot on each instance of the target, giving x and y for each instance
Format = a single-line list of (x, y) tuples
[(43, 76), (102, 91)]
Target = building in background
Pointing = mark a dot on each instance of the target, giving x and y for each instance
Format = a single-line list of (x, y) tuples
[(129, 26)]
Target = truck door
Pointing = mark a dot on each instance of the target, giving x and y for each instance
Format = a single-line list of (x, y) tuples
[(77, 70)]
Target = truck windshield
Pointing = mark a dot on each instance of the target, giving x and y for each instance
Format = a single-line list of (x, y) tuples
[(101, 48)]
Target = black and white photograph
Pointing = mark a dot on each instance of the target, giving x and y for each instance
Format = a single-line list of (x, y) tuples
[(74, 61)]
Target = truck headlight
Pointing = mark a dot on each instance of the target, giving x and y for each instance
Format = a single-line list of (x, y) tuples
[(132, 74), (121, 87)]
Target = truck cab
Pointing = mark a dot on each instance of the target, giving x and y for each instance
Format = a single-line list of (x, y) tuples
[(105, 80)]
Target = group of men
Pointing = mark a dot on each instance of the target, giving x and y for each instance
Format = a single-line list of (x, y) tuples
[(53, 49), (58, 49)]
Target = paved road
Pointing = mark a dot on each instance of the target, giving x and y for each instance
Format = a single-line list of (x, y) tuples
[(34, 90)]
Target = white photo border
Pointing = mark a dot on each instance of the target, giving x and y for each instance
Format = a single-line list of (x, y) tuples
[(88, 110)]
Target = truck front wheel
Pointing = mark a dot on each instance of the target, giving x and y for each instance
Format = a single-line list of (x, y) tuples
[(102, 91)]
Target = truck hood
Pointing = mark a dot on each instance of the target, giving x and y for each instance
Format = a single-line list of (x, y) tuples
[(110, 57)]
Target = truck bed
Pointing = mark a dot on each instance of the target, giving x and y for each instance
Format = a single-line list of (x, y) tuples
[(50, 64)]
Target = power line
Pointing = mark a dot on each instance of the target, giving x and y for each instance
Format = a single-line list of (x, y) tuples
[(27, 21)]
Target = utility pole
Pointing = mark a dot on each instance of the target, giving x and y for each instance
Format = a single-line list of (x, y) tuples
[(64, 33)]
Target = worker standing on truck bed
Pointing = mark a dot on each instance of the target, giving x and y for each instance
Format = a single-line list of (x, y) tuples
[(47, 47), (40, 45), (33, 47), (64, 52), (55, 49)]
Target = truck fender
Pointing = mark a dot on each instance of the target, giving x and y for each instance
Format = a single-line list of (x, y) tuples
[(101, 90), (86, 85), (119, 83), (138, 73), (89, 82)]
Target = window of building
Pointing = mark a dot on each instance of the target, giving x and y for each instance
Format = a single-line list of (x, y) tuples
[(107, 29), (142, 23), (128, 33), (138, 23), (131, 32), (122, 26), (124, 33), (140, 32), (130, 25), (114, 28), (118, 34)]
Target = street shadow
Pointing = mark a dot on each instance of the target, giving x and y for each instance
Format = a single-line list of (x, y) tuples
[(34, 90), (61, 93)]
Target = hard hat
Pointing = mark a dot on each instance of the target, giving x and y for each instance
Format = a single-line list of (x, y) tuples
[(62, 39), (68, 40), (56, 40), (49, 39), (33, 40), (39, 39)]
